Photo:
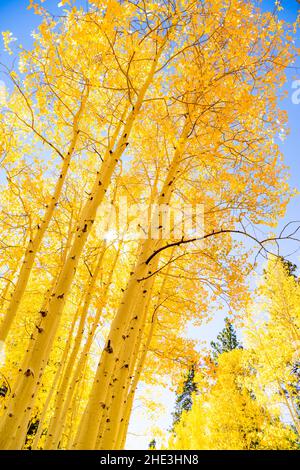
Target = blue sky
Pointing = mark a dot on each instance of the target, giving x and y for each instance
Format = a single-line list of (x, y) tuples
[(15, 17)]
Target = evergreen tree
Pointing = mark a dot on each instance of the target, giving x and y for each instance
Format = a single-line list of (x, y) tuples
[(152, 444), (226, 341), (184, 398), (291, 267)]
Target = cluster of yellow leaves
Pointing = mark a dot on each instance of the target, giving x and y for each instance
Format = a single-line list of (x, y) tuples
[(8, 38), (273, 337), (155, 104), (250, 399)]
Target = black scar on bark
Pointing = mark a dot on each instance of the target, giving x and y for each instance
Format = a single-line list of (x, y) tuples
[(108, 348)]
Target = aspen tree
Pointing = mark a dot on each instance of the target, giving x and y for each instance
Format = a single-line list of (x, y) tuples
[(178, 95), (34, 243), (137, 321), (5, 291), (274, 339), (224, 415), (121, 439), (119, 327), (117, 393), (140, 306), (55, 383), (137, 366), (84, 353), (121, 321), (53, 427), (18, 439), (56, 302)]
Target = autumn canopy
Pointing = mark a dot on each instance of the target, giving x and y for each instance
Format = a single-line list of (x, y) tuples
[(169, 104)]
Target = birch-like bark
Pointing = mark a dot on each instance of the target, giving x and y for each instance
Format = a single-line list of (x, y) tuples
[(15, 420), (88, 429), (136, 369), (34, 243), (54, 425)]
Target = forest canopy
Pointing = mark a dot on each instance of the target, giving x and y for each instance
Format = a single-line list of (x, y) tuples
[(139, 161)]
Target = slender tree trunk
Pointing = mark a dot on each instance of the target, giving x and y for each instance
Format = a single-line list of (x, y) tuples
[(136, 369), (55, 382), (116, 402), (54, 426), (122, 432), (28, 382), (85, 351), (88, 429), (34, 243)]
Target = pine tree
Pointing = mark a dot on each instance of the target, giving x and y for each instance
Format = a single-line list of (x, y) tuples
[(225, 416), (152, 444), (184, 400), (128, 99), (291, 267), (227, 341)]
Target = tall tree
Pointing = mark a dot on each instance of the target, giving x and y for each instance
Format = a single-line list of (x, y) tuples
[(274, 338), (226, 340), (233, 408), (184, 396), (169, 104), (225, 415)]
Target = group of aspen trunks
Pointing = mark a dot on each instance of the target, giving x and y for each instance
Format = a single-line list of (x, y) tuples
[(105, 420)]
